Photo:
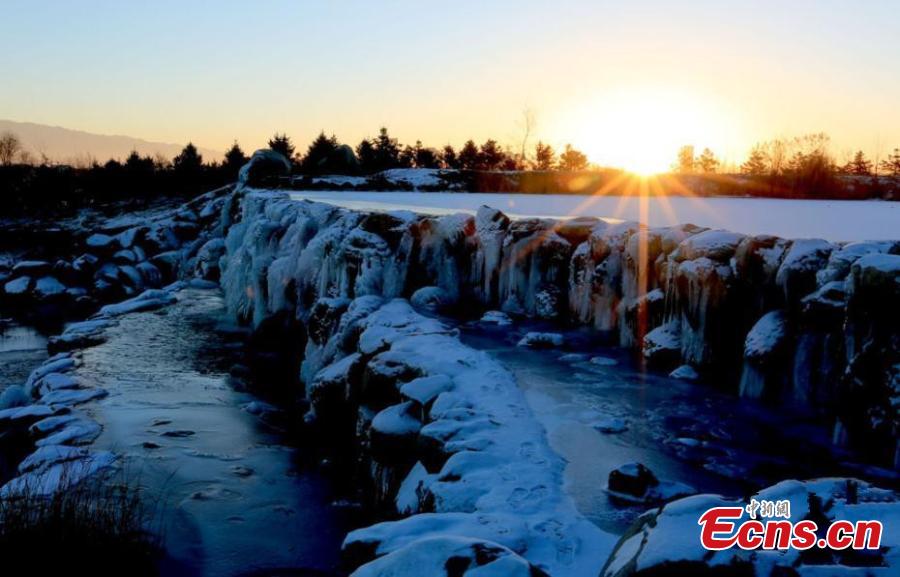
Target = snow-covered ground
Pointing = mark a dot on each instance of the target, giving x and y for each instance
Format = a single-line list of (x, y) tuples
[(845, 220)]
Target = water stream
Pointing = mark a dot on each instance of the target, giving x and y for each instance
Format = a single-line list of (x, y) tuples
[(685, 432), (237, 498)]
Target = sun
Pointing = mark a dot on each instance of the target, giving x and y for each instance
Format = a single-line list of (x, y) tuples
[(641, 128)]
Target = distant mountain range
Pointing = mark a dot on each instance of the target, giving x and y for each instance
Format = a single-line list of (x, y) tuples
[(66, 145)]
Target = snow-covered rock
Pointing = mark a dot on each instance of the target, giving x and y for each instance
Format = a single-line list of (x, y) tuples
[(18, 286), (498, 318), (685, 373), (48, 286), (665, 540), (538, 340), (662, 345), (264, 164)]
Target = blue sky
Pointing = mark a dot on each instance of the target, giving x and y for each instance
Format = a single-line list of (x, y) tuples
[(444, 71)]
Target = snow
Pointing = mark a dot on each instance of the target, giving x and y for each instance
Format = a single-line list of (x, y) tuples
[(888, 264), (611, 426), (766, 336), (81, 334), (430, 298), (99, 240), (408, 496), (538, 340), (339, 180), (670, 534), (18, 286), (13, 396), (27, 412), (498, 318), (685, 373), (847, 220), (396, 420), (415, 177), (716, 245), (457, 556), (480, 492), (80, 431), (148, 300), (71, 397), (663, 339), (48, 286), (423, 390), (58, 476)]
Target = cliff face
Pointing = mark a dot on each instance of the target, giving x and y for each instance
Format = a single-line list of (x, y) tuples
[(803, 322)]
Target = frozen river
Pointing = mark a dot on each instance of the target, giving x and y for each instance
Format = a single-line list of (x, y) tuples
[(844, 220)]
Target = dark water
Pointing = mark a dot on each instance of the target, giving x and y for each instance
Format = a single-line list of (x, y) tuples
[(686, 432), (237, 498)]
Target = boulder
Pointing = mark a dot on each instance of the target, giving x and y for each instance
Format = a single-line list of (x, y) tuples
[(264, 166), (538, 340)]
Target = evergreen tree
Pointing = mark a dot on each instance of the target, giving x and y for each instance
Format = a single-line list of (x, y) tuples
[(544, 156), (282, 143), (572, 159), (707, 161), (492, 156), (365, 152), (387, 151), (859, 165), (449, 158), (189, 160), (469, 158), (756, 163), (234, 159), (891, 164), (407, 157), (426, 157), (318, 154)]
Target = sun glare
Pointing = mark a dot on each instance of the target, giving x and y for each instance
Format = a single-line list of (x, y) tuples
[(640, 129)]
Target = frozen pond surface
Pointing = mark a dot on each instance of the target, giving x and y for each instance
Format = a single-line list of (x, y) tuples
[(21, 349), (238, 500), (845, 220), (684, 432)]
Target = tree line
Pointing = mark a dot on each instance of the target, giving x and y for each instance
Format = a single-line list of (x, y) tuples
[(326, 155), (786, 156)]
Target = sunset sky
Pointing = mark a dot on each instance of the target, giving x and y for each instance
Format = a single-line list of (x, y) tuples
[(618, 79)]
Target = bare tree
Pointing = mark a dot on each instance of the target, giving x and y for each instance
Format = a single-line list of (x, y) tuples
[(528, 124), (10, 147)]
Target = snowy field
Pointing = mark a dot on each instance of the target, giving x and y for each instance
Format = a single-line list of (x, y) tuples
[(847, 220)]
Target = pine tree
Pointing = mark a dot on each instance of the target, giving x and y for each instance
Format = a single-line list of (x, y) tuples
[(572, 159), (425, 157), (282, 143), (756, 163), (492, 156), (544, 156), (234, 159), (449, 158), (859, 165), (387, 151), (469, 158), (365, 152), (707, 161), (319, 152), (189, 160), (891, 164), (407, 157)]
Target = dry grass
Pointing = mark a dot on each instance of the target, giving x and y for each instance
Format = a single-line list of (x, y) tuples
[(99, 527)]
